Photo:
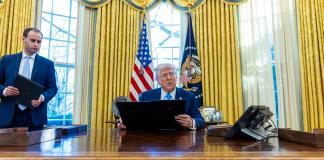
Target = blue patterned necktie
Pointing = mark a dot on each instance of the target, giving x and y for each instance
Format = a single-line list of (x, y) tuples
[(25, 73), (168, 96)]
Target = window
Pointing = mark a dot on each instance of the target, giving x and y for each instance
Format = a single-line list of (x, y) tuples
[(58, 25), (259, 61), (165, 35)]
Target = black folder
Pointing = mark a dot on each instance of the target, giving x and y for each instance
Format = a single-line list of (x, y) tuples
[(28, 91), (156, 115)]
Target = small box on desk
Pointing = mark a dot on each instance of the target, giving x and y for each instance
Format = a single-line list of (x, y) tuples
[(218, 130), (21, 136), (315, 139), (73, 129)]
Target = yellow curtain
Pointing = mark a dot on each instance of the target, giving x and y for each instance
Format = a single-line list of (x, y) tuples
[(311, 54), (117, 30), (15, 15), (178, 4), (94, 3), (216, 36)]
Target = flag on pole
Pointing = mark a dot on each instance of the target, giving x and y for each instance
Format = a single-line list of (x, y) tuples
[(191, 74), (142, 75)]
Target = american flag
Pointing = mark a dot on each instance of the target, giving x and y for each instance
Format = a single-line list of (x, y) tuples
[(142, 75)]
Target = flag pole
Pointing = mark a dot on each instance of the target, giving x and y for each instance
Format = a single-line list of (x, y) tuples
[(142, 74), (189, 5), (191, 74)]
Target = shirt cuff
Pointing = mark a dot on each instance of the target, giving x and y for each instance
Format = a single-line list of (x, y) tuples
[(42, 97), (193, 124), (3, 92)]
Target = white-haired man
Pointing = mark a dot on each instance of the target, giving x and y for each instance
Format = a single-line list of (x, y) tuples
[(167, 78)]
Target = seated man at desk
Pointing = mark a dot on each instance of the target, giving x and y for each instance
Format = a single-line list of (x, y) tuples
[(167, 78)]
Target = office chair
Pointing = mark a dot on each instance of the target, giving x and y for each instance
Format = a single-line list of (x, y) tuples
[(115, 108)]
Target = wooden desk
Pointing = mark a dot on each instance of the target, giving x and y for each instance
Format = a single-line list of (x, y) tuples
[(115, 144)]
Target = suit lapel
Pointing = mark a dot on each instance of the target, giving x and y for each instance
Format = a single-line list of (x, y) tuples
[(35, 67), (158, 94), (17, 64), (178, 94)]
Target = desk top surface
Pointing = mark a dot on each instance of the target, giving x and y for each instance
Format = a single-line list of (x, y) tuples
[(116, 144)]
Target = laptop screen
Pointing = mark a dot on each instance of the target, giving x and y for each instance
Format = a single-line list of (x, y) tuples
[(151, 115)]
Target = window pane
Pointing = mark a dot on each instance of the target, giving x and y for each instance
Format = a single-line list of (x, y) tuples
[(59, 111), (60, 28), (73, 28), (61, 7), (168, 36), (52, 110), (69, 106), (74, 9), (70, 82), (61, 78), (58, 50), (176, 53), (44, 49), (164, 52), (165, 60), (168, 16), (71, 53), (176, 63), (165, 35), (47, 6), (46, 25)]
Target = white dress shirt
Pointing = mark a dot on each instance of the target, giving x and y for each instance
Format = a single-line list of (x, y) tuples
[(163, 94)]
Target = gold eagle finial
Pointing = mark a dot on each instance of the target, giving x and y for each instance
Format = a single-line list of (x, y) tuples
[(1, 3)]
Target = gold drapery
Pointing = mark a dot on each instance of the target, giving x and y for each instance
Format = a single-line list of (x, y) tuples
[(185, 4), (15, 16), (311, 54), (215, 30), (94, 3), (142, 5), (234, 2), (148, 4), (117, 31), (1, 3)]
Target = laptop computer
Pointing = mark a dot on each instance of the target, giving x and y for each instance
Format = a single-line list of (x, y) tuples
[(153, 115)]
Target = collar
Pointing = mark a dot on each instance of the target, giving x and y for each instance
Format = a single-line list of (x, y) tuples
[(24, 55), (163, 93)]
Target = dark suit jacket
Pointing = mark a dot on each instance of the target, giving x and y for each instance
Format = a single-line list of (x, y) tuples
[(43, 73), (191, 109)]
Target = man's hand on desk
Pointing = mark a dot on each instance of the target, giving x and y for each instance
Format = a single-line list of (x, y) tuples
[(184, 120), (120, 124)]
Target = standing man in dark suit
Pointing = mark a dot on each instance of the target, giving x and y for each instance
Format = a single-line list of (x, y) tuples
[(167, 78), (32, 66)]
